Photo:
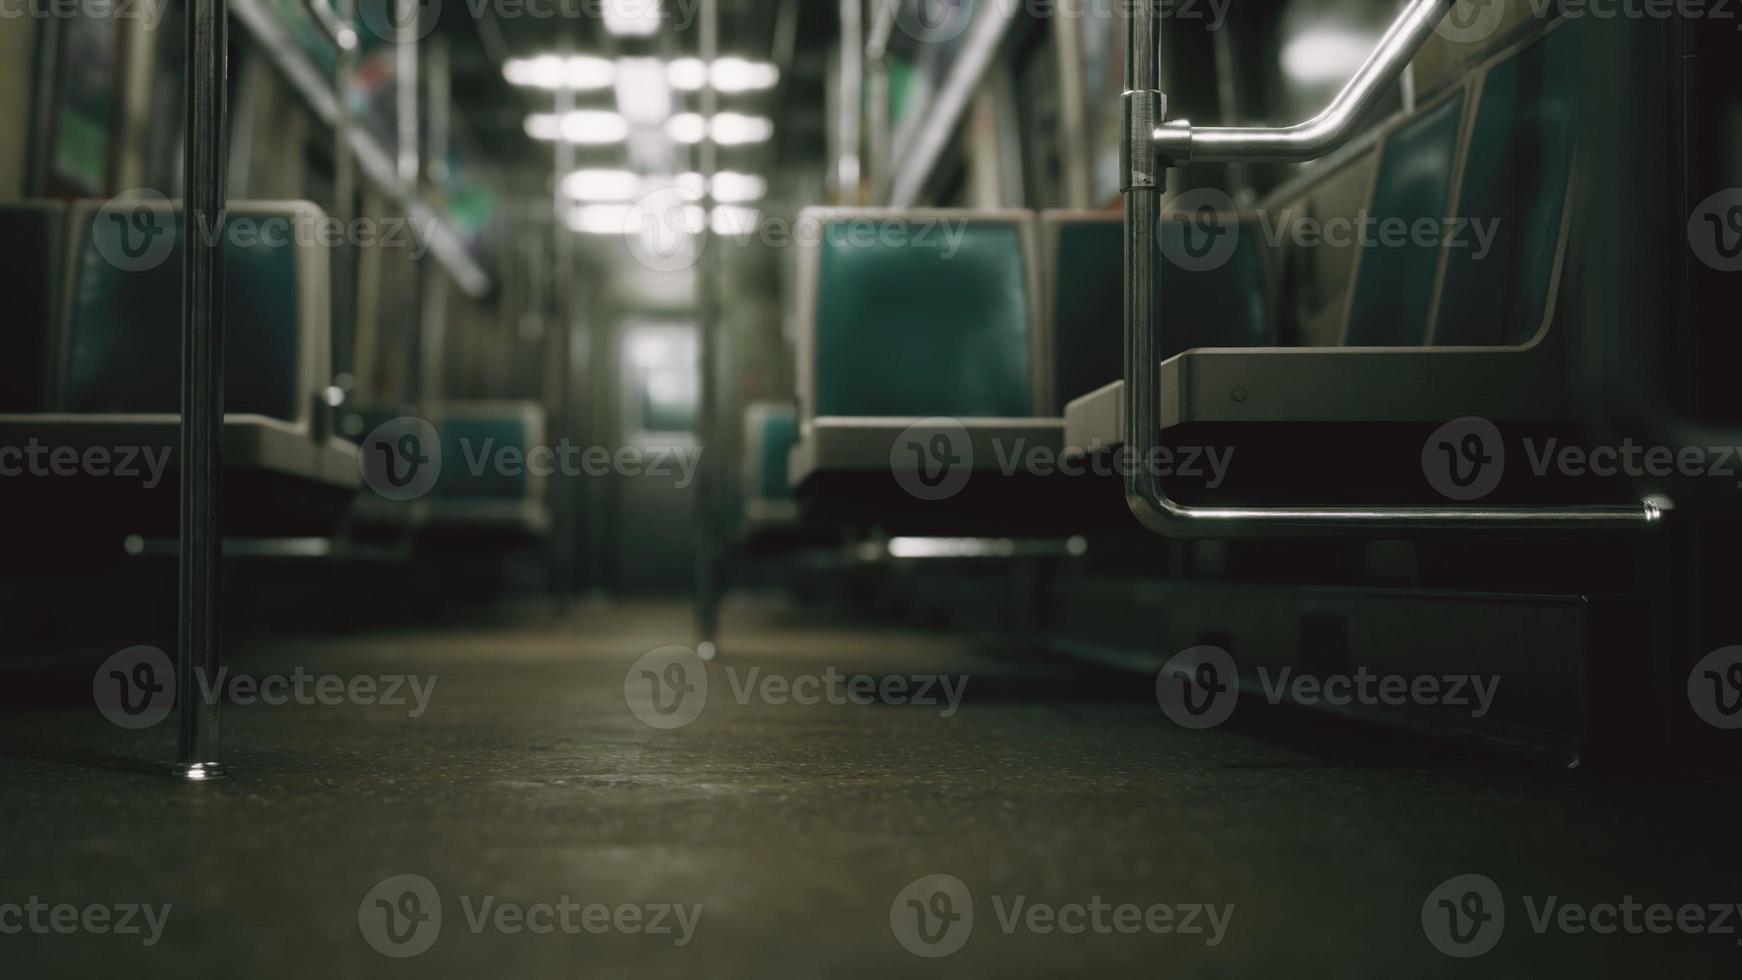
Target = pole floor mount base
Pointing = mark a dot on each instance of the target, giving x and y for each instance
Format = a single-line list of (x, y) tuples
[(199, 772)]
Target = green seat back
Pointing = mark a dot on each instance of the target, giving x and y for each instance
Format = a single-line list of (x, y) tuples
[(124, 342), (32, 246), (1394, 286), (472, 463), (1088, 326), (779, 432), (1219, 306), (1520, 161), (912, 326)]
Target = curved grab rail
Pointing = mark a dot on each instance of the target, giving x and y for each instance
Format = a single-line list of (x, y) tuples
[(1181, 142), (334, 28), (1149, 146)]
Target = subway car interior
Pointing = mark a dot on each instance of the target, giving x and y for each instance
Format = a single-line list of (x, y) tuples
[(866, 488)]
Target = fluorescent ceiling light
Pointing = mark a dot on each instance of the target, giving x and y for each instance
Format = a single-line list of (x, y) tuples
[(687, 127), (643, 94), (1325, 56), (662, 223), (551, 72), (632, 18), (731, 188), (693, 184), (738, 75), (725, 75), (600, 219), (592, 127), (602, 185), (734, 220), (732, 129), (585, 72), (687, 74), (727, 128)]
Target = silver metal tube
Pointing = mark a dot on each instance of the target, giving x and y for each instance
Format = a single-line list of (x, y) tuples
[(200, 566), (852, 97), (336, 29), (344, 76), (437, 69), (709, 538), (1144, 183), (560, 370), (405, 82), (1145, 178), (1329, 129), (881, 29), (920, 146)]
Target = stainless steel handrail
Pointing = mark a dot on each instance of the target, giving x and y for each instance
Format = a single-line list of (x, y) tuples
[(1181, 142), (1150, 145), (335, 28)]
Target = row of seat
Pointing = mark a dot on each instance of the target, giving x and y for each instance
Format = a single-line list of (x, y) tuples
[(98, 335), (1495, 151), (470, 495), (1410, 333), (101, 328), (1009, 324)]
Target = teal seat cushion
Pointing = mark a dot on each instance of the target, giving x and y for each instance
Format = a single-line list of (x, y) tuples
[(473, 464), (124, 342), (1394, 286), (1520, 162), (779, 433), (911, 326)]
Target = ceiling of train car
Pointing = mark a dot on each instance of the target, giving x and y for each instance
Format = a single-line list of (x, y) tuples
[(491, 114)]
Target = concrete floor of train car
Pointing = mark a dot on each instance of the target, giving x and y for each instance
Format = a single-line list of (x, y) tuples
[(527, 781)]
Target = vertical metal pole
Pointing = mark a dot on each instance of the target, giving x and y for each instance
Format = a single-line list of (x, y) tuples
[(1074, 143), (708, 545), (405, 70), (344, 78), (877, 134), (202, 391), (1144, 179), (851, 93), (440, 102), (562, 491)]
